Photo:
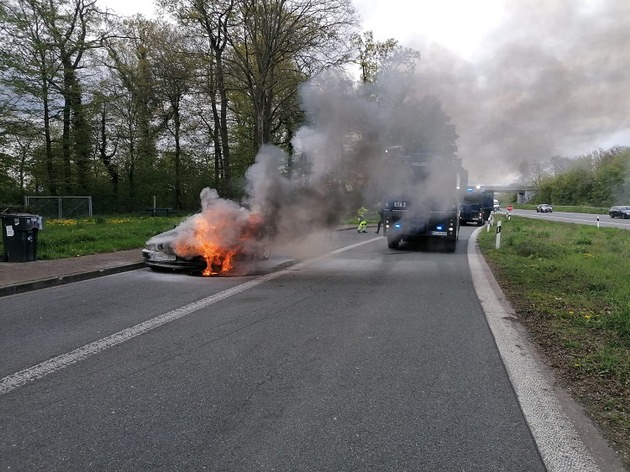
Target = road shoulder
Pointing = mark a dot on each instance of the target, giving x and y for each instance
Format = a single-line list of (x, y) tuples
[(566, 438)]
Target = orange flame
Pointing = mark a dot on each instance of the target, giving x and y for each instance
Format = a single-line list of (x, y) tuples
[(218, 260), (219, 238)]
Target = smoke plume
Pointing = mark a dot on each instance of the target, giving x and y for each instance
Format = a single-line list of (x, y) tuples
[(337, 167), (551, 80)]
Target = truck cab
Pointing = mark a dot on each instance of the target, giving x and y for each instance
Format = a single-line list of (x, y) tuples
[(423, 201), (476, 206)]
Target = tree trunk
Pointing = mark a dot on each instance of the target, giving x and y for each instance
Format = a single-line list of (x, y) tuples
[(50, 161), (106, 158), (65, 136), (178, 151), (225, 144)]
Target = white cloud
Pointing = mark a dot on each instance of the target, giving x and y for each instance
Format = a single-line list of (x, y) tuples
[(458, 25)]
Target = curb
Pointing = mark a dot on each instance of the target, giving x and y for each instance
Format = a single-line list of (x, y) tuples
[(66, 279)]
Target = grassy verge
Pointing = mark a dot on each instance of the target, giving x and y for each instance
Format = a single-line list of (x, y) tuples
[(570, 285), (70, 238)]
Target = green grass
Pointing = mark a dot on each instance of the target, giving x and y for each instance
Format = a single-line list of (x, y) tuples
[(570, 286), (70, 238)]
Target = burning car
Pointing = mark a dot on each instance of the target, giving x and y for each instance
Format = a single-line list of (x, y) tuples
[(158, 254), (214, 241)]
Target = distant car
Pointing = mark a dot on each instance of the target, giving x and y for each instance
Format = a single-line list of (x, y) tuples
[(497, 207), (619, 212), (544, 208)]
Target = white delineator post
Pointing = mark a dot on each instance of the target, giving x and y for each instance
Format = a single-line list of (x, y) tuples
[(598, 221), (497, 244)]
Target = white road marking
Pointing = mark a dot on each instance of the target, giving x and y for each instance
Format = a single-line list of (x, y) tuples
[(18, 379)]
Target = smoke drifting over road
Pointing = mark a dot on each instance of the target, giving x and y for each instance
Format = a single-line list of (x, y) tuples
[(338, 154), (551, 80)]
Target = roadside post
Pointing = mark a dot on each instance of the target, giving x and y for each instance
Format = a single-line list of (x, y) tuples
[(497, 244), (509, 210), (598, 221)]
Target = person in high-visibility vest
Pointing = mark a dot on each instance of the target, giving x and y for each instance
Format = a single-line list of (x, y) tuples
[(362, 228)]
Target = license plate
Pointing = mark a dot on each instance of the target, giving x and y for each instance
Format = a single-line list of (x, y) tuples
[(160, 256), (438, 233)]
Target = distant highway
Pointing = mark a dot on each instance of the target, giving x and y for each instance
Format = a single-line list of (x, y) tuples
[(579, 218)]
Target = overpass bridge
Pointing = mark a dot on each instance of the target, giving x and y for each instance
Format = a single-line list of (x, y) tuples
[(523, 193)]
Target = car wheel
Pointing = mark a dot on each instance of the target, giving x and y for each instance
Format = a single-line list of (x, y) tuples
[(393, 241), (450, 245)]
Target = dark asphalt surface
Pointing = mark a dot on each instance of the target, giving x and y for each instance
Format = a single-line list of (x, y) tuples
[(357, 397), (365, 360)]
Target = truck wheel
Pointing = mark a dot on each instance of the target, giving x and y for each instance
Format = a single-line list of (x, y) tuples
[(393, 241)]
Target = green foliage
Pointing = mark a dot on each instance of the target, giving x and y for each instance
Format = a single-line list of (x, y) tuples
[(599, 179)]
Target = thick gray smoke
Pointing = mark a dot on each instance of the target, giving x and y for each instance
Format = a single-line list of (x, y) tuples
[(337, 167), (551, 80), (343, 148), (330, 151)]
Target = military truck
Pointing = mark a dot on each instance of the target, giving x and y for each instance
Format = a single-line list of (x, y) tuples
[(422, 199)]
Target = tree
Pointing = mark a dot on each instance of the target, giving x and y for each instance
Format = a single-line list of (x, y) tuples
[(174, 69), (28, 71), (213, 19), (132, 102), (598, 179), (106, 147), (372, 54), (44, 48), (280, 43)]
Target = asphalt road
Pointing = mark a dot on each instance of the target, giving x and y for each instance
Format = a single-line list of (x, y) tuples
[(365, 359)]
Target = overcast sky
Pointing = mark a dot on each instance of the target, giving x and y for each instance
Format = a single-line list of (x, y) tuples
[(522, 80)]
